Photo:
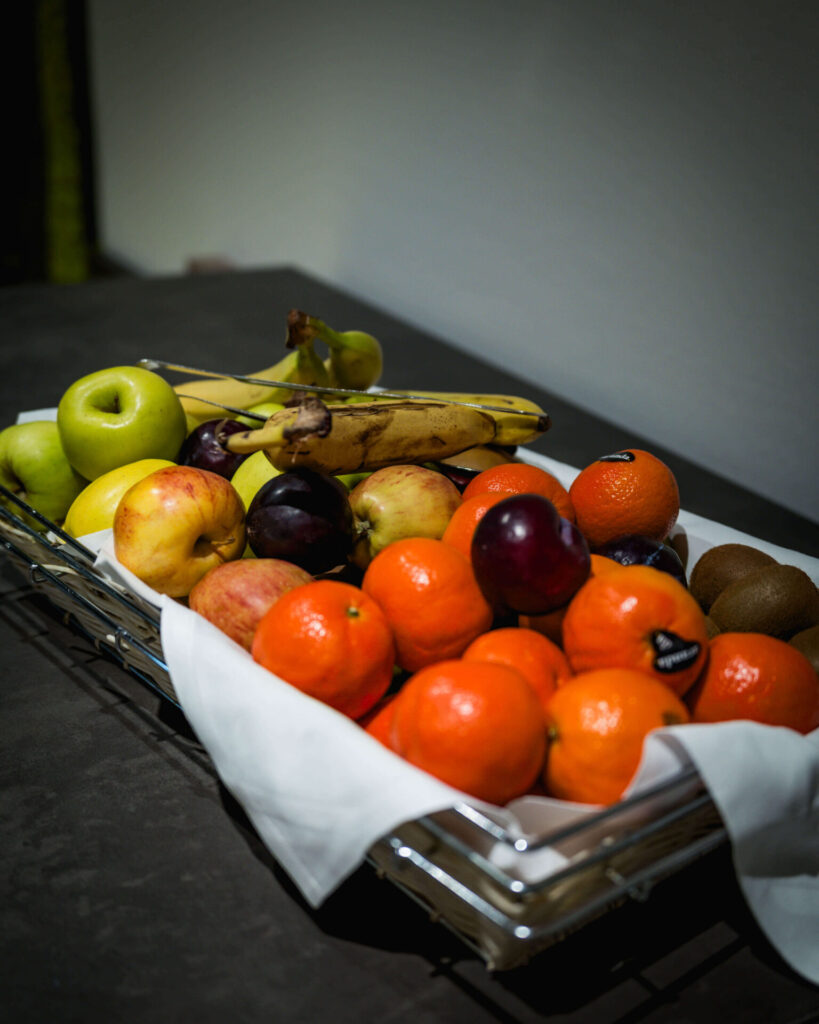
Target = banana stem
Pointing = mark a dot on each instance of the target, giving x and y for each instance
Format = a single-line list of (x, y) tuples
[(302, 327)]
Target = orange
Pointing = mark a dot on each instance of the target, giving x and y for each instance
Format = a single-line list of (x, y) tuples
[(640, 618), (378, 721), (540, 661), (757, 677), (521, 478), (601, 564), (330, 640), (630, 491), (465, 518), (551, 624), (429, 594), (597, 723), (474, 725)]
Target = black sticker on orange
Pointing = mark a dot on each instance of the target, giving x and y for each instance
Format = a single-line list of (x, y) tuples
[(672, 653), (618, 457)]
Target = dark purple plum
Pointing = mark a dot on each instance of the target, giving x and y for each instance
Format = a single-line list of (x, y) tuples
[(527, 558), (203, 449), (457, 474), (303, 517), (463, 468), (634, 549)]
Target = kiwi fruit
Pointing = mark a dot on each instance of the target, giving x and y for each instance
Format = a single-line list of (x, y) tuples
[(779, 600), (721, 566), (807, 641), (711, 628)]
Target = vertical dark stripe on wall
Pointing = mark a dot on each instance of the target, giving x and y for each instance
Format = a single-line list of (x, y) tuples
[(66, 234), (22, 257)]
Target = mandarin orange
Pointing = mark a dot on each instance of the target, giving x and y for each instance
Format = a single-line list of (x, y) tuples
[(522, 478), (378, 721), (540, 661), (330, 640), (551, 624), (597, 723), (759, 678), (475, 725), (461, 526), (638, 618), (627, 492), (429, 594)]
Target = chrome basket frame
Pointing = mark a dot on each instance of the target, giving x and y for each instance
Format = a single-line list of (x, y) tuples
[(446, 861)]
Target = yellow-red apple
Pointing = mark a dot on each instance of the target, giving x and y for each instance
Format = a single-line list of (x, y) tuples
[(174, 525), (397, 502)]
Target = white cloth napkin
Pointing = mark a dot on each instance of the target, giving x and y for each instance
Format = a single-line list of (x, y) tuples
[(765, 784), (320, 791)]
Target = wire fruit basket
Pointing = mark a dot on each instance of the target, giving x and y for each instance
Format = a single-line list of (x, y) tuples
[(455, 863)]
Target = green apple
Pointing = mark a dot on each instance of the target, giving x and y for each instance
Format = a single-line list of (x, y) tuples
[(94, 507), (34, 466), (265, 409), (117, 416), (256, 470)]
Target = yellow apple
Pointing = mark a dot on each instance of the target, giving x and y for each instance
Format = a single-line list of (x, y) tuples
[(397, 502), (94, 507), (175, 525), (256, 470)]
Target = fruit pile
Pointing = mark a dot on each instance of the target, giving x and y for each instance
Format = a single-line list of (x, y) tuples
[(394, 558)]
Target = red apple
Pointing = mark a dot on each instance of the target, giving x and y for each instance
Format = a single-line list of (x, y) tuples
[(397, 502), (235, 595), (174, 525)]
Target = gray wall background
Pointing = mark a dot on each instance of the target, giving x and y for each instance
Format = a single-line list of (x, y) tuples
[(615, 199)]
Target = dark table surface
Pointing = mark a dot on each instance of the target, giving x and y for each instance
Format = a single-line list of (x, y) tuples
[(135, 889)]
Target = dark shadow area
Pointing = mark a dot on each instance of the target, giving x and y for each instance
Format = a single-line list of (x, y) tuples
[(365, 910)]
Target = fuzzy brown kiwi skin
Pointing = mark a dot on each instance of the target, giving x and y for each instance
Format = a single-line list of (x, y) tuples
[(807, 641), (779, 600), (711, 628), (720, 566)]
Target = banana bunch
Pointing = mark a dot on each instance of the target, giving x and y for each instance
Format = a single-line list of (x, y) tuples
[(355, 362), (356, 359), (302, 366), (358, 432), (364, 436)]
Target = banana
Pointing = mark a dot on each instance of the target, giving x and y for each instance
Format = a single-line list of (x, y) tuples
[(510, 428), (301, 366), (363, 436), (356, 358)]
